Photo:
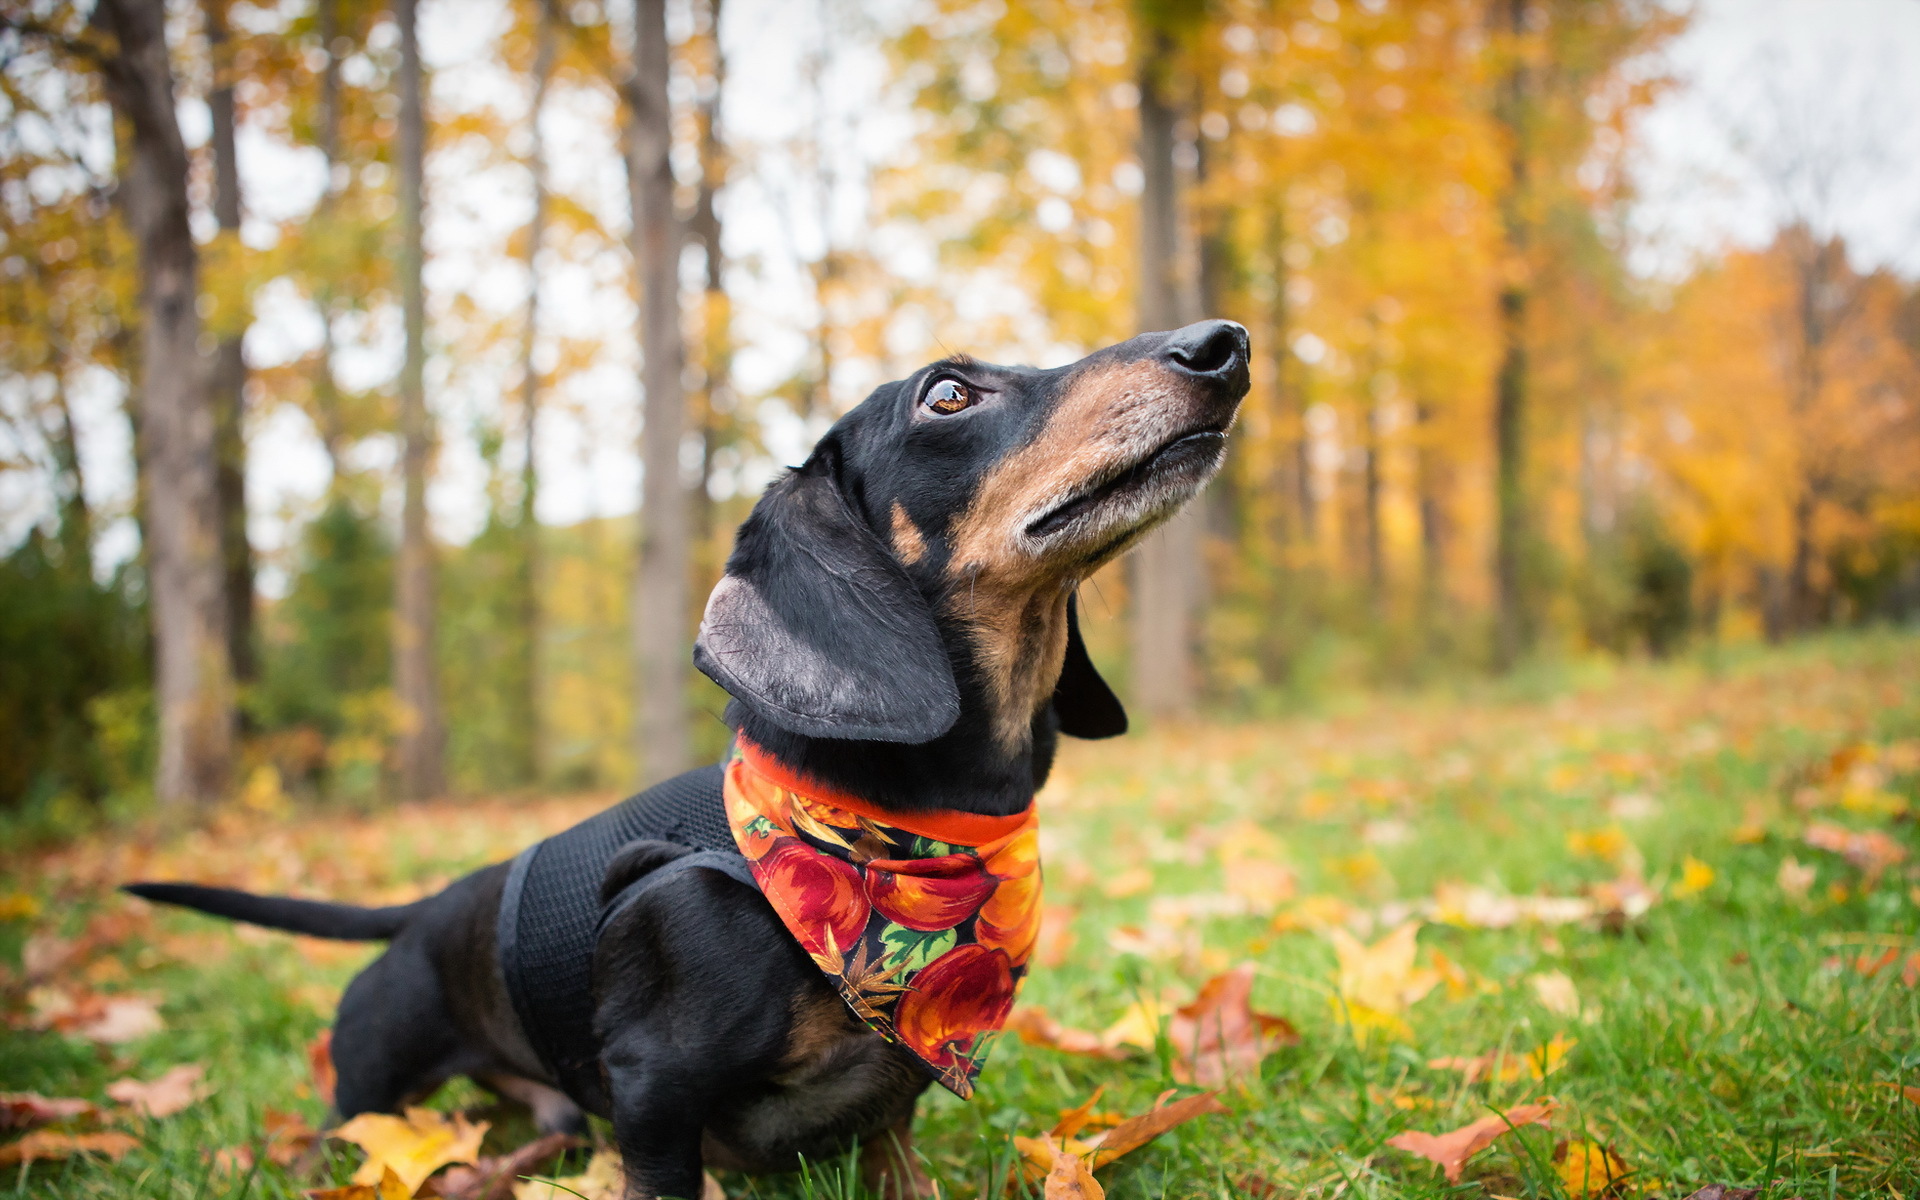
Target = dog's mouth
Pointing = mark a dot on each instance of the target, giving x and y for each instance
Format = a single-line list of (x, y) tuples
[(1147, 487)]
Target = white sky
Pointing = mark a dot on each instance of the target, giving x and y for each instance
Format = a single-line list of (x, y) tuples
[(1843, 75)]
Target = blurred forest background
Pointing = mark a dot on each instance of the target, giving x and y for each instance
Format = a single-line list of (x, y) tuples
[(337, 366)]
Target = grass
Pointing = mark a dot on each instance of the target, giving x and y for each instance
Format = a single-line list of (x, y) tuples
[(1728, 1035)]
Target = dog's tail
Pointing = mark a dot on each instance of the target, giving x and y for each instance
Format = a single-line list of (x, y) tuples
[(315, 918)]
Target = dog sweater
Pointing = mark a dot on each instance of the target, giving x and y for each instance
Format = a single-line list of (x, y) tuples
[(923, 922)]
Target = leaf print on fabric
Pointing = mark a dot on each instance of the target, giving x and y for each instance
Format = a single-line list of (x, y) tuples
[(913, 950)]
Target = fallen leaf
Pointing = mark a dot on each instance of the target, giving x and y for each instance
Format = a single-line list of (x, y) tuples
[(1073, 1120), (288, 1137), (602, 1180), (1452, 1150), (1872, 851), (30, 1110), (1695, 877), (1379, 982), (1219, 1037), (124, 1019), (1036, 1028), (1794, 879), (43, 954), (390, 1187), (1138, 1026), (1505, 1068), (493, 1177), (1588, 1169), (1556, 993), (320, 1064), (161, 1097), (1135, 1132), (413, 1146), (1720, 1191), (1072, 1179), (46, 1144)]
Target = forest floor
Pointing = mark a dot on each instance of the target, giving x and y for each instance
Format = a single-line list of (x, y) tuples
[(1675, 903)]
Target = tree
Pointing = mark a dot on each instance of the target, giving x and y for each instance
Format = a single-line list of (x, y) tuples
[(193, 666), (422, 734), (1513, 620), (660, 643)]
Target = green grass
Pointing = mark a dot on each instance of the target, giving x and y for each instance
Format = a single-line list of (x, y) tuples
[(1717, 1039)]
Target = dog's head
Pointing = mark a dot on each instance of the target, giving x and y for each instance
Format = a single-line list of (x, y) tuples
[(921, 563)]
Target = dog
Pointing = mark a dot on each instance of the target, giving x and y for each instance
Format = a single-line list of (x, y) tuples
[(896, 625)]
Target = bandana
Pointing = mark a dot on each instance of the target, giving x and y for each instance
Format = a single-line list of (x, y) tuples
[(923, 921)]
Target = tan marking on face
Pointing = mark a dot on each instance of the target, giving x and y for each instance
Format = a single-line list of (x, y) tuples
[(1013, 598), (907, 542)]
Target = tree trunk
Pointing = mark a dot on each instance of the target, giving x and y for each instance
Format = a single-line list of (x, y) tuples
[(717, 353), (1432, 519), (1167, 564), (325, 387), (228, 385), (526, 580), (422, 738), (193, 673), (1513, 627), (660, 642)]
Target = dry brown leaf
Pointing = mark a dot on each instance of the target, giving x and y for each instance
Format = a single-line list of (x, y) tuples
[(493, 1177), (1720, 1191), (413, 1146), (1037, 1028), (390, 1187), (45, 1144), (1071, 1179), (1872, 851), (288, 1137), (602, 1180), (161, 1097), (123, 1019), (30, 1110), (1073, 1120), (1131, 1134), (1219, 1037), (320, 1064), (1451, 1150)]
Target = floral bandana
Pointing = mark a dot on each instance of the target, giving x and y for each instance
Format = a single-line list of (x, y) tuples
[(924, 921)]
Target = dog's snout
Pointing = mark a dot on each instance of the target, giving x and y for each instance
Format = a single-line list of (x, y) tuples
[(1210, 349)]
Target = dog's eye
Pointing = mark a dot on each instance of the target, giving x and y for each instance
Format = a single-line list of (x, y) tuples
[(948, 397)]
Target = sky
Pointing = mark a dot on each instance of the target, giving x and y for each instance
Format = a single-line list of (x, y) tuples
[(1779, 108)]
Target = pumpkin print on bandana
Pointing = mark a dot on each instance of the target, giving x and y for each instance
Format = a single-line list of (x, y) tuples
[(923, 921)]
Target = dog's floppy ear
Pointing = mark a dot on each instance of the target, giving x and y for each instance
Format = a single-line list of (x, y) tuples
[(816, 628), (1086, 706)]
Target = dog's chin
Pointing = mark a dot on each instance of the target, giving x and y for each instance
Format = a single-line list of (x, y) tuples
[(1103, 519)]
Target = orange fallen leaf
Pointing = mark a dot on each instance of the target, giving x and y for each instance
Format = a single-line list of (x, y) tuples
[(288, 1137), (1071, 1179), (412, 1147), (390, 1187), (493, 1177), (46, 1144), (161, 1097), (1588, 1169), (1505, 1068), (30, 1110), (1451, 1150), (1872, 851), (1073, 1120), (1135, 1132), (1037, 1028), (320, 1064), (1219, 1037)]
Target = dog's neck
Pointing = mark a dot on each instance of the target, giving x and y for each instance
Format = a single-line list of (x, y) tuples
[(971, 768)]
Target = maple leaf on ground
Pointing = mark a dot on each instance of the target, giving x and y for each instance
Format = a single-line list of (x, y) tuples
[(1219, 1037), (30, 1110), (45, 1144), (1588, 1169), (388, 1188), (1451, 1150), (1505, 1068), (1379, 982), (493, 1177), (288, 1137), (1556, 993), (320, 1064), (1042, 1153), (1873, 851), (602, 1180), (1071, 1179), (413, 1146), (1073, 1120), (1037, 1028), (162, 1097)]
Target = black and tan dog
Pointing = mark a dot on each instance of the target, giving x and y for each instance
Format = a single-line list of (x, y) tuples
[(897, 622)]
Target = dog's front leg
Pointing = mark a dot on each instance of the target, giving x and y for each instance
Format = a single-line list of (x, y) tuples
[(657, 1118)]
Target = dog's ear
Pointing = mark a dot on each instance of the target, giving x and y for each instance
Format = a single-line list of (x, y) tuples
[(816, 628), (1086, 706)]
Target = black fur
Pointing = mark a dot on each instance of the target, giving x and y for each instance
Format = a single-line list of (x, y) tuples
[(723, 1044)]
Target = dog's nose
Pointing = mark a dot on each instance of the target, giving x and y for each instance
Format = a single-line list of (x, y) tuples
[(1214, 350)]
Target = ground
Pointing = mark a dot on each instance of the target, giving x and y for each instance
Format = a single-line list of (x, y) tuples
[(1678, 899)]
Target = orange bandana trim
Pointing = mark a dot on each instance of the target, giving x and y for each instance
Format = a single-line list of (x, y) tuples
[(923, 921)]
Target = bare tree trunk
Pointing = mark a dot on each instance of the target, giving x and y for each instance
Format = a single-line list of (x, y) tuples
[(193, 673), (326, 387), (1432, 520), (717, 354), (660, 642), (228, 384), (1166, 563), (1513, 629), (526, 580), (1376, 548), (422, 740)]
